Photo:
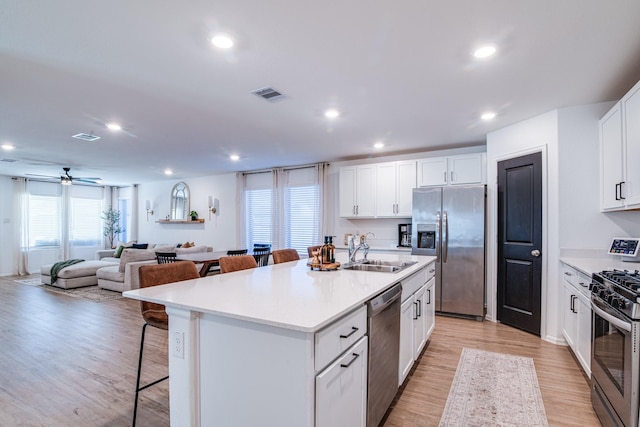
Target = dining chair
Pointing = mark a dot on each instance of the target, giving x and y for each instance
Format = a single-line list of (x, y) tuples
[(312, 249), (261, 246), (236, 252), (155, 314), (237, 263), (285, 255), (262, 256), (166, 257)]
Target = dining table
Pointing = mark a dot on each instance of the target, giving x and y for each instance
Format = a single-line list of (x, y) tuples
[(207, 259)]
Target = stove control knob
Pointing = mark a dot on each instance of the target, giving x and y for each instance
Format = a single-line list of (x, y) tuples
[(622, 303), (604, 293)]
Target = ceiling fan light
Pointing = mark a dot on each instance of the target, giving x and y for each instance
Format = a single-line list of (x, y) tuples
[(65, 181)]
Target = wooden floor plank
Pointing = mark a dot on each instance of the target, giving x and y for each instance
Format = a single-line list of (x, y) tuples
[(67, 361)]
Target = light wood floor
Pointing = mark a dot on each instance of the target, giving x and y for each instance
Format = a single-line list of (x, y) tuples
[(67, 361)]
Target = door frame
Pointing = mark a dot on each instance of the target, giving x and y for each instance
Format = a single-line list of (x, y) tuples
[(492, 233)]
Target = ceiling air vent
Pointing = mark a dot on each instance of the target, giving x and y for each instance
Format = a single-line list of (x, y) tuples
[(269, 94), (87, 137)]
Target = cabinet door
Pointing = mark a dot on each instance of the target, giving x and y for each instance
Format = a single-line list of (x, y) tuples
[(365, 191), (347, 192), (583, 348), (432, 171), (631, 126), (611, 159), (406, 339), (405, 183), (386, 189), (569, 327), (341, 389), (419, 324), (465, 169), (430, 308)]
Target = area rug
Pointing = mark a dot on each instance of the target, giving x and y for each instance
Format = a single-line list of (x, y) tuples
[(30, 282), (494, 389), (92, 293)]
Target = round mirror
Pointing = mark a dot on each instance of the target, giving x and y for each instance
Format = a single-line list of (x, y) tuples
[(180, 202)]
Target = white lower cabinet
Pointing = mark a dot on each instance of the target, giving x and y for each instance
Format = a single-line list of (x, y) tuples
[(341, 389), (417, 319), (576, 308)]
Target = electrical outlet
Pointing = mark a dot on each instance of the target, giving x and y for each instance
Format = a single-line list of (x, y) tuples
[(178, 344)]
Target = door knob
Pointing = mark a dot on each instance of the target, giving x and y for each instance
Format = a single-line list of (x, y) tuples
[(535, 252)]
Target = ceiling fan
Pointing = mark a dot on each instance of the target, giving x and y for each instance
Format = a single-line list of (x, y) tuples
[(66, 179)]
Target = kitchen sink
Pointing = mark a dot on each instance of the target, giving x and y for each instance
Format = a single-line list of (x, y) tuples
[(380, 266)]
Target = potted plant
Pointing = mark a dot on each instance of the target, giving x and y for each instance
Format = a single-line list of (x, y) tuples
[(194, 215), (111, 218)]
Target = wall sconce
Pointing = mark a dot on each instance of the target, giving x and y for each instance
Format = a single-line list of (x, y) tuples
[(149, 210), (214, 207)]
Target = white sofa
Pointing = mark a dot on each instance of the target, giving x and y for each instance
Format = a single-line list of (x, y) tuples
[(124, 276)]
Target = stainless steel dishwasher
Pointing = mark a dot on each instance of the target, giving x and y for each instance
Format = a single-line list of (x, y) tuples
[(383, 314)]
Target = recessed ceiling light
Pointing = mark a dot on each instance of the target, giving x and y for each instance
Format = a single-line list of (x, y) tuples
[(331, 113), (7, 147), (378, 145), (234, 157), (168, 172), (114, 126), (485, 51), (222, 41), (489, 115)]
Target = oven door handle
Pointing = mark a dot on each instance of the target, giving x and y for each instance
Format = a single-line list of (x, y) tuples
[(617, 322)]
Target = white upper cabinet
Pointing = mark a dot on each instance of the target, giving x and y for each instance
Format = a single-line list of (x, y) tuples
[(395, 182), (619, 150), (611, 159), (452, 170), (631, 126), (357, 191)]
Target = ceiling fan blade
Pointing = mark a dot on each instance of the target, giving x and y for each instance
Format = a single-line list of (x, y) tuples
[(87, 180), (42, 176)]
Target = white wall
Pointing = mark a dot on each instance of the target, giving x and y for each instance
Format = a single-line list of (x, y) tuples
[(568, 139), (538, 134), (219, 231), (583, 226)]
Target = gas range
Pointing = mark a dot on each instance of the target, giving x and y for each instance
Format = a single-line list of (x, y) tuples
[(620, 289)]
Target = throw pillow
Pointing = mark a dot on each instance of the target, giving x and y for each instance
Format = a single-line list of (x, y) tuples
[(187, 245), (119, 251), (140, 245)]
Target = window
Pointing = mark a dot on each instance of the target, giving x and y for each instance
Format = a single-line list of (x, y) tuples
[(283, 207), (86, 222), (45, 221)]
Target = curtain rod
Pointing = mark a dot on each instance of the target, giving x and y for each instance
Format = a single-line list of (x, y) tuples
[(284, 169)]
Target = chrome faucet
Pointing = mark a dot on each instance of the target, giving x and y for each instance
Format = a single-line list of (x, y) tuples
[(353, 249)]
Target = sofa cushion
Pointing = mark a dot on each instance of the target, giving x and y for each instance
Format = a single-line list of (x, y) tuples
[(191, 250), (111, 273), (130, 255), (164, 248), (81, 269)]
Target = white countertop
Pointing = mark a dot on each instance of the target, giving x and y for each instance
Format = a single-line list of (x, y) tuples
[(589, 266), (287, 295)]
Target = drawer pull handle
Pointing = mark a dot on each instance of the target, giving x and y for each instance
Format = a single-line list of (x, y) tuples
[(432, 270), (353, 331), (583, 285), (415, 306), (355, 356), (566, 273)]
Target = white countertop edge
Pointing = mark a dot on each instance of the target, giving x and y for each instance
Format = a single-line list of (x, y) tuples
[(589, 266), (297, 325)]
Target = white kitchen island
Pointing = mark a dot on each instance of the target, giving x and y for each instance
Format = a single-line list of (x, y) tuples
[(245, 348)]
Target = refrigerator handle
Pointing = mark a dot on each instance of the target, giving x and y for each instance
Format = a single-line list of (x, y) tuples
[(445, 236), (438, 241)]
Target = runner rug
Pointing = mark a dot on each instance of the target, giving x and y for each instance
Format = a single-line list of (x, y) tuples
[(494, 389)]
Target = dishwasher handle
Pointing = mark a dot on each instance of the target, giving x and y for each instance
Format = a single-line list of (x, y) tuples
[(384, 300)]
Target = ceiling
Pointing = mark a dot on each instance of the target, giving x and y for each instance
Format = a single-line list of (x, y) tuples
[(400, 72)]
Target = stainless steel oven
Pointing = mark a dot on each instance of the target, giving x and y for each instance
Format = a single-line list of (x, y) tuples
[(615, 359)]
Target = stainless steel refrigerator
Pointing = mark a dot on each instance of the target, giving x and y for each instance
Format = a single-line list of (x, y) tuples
[(449, 223)]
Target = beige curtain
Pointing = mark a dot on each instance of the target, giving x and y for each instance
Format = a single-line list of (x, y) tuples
[(21, 226)]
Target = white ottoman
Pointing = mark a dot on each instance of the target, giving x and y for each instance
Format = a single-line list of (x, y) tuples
[(74, 276)]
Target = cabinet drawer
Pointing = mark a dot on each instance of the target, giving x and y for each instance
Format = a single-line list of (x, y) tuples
[(414, 282), (579, 280), (339, 336)]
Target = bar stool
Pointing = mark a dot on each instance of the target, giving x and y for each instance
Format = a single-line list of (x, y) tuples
[(237, 263), (285, 255), (155, 314)]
